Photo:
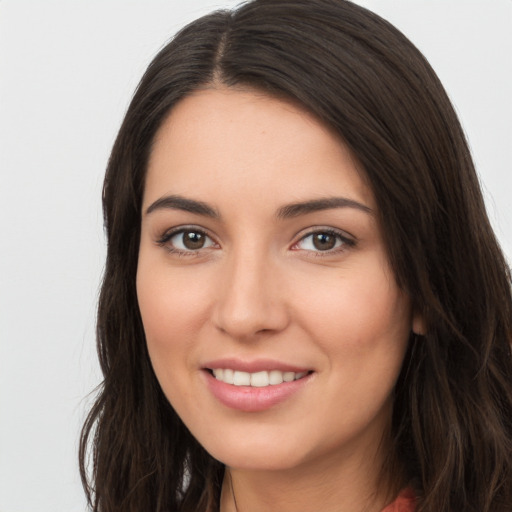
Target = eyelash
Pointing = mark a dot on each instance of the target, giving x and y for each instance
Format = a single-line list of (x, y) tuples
[(164, 240), (345, 241)]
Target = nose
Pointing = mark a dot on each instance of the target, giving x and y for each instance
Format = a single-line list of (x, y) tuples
[(251, 299)]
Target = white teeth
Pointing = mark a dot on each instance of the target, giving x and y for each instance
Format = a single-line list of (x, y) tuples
[(275, 377), (228, 376), (288, 376), (257, 379), (241, 379)]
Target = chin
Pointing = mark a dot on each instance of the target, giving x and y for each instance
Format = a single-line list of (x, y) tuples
[(256, 451), (257, 459)]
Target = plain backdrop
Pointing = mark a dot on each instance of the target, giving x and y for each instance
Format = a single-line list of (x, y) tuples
[(67, 72)]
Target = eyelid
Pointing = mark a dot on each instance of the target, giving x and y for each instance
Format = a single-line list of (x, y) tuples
[(167, 235), (347, 240)]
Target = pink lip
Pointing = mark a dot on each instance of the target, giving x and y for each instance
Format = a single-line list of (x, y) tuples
[(253, 399), (258, 365)]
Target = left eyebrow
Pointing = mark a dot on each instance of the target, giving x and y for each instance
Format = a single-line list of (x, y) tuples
[(315, 205)]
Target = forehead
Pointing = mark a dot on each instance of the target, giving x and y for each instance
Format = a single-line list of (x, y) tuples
[(249, 142)]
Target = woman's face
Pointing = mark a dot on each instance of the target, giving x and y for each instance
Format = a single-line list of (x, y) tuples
[(262, 262)]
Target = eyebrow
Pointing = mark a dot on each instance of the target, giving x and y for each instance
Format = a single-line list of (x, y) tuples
[(315, 205), (176, 202)]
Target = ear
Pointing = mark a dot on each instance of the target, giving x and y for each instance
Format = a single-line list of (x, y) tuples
[(419, 326)]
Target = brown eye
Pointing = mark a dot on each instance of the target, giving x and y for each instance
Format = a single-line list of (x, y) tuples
[(193, 240), (187, 240), (324, 241)]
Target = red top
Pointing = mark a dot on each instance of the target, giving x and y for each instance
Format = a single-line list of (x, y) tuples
[(405, 502)]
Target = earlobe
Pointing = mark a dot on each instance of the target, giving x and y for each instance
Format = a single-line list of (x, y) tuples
[(418, 323)]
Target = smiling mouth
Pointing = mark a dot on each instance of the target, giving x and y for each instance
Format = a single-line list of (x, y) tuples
[(257, 379)]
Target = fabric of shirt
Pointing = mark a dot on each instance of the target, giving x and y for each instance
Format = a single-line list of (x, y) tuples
[(405, 502)]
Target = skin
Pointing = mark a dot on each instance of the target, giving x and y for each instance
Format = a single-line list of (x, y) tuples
[(259, 288)]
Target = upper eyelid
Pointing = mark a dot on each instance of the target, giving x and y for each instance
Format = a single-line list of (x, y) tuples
[(303, 233), (169, 233), (300, 235), (348, 241)]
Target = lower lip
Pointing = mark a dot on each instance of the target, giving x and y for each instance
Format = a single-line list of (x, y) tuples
[(253, 399)]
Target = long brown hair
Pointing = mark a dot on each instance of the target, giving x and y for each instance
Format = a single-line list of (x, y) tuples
[(452, 420)]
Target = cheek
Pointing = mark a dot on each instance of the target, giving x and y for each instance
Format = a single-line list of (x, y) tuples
[(172, 308), (358, 313), (362, 327)]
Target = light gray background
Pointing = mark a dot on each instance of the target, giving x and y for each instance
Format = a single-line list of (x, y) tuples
[(67, 71)]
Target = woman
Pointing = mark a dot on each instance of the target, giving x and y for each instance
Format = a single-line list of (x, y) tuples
[(304, 306)]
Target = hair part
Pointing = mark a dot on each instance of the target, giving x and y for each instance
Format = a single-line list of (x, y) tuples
[(452, 419)]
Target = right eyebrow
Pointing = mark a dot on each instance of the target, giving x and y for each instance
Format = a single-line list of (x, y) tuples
[(176, 202)]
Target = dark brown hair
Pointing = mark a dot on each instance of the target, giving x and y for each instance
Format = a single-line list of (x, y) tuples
[(452, 420)]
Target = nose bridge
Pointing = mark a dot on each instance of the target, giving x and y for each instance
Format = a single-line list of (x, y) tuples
[(250, 301)]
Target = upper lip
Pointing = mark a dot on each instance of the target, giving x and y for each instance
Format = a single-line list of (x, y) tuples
[(253, 366)]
